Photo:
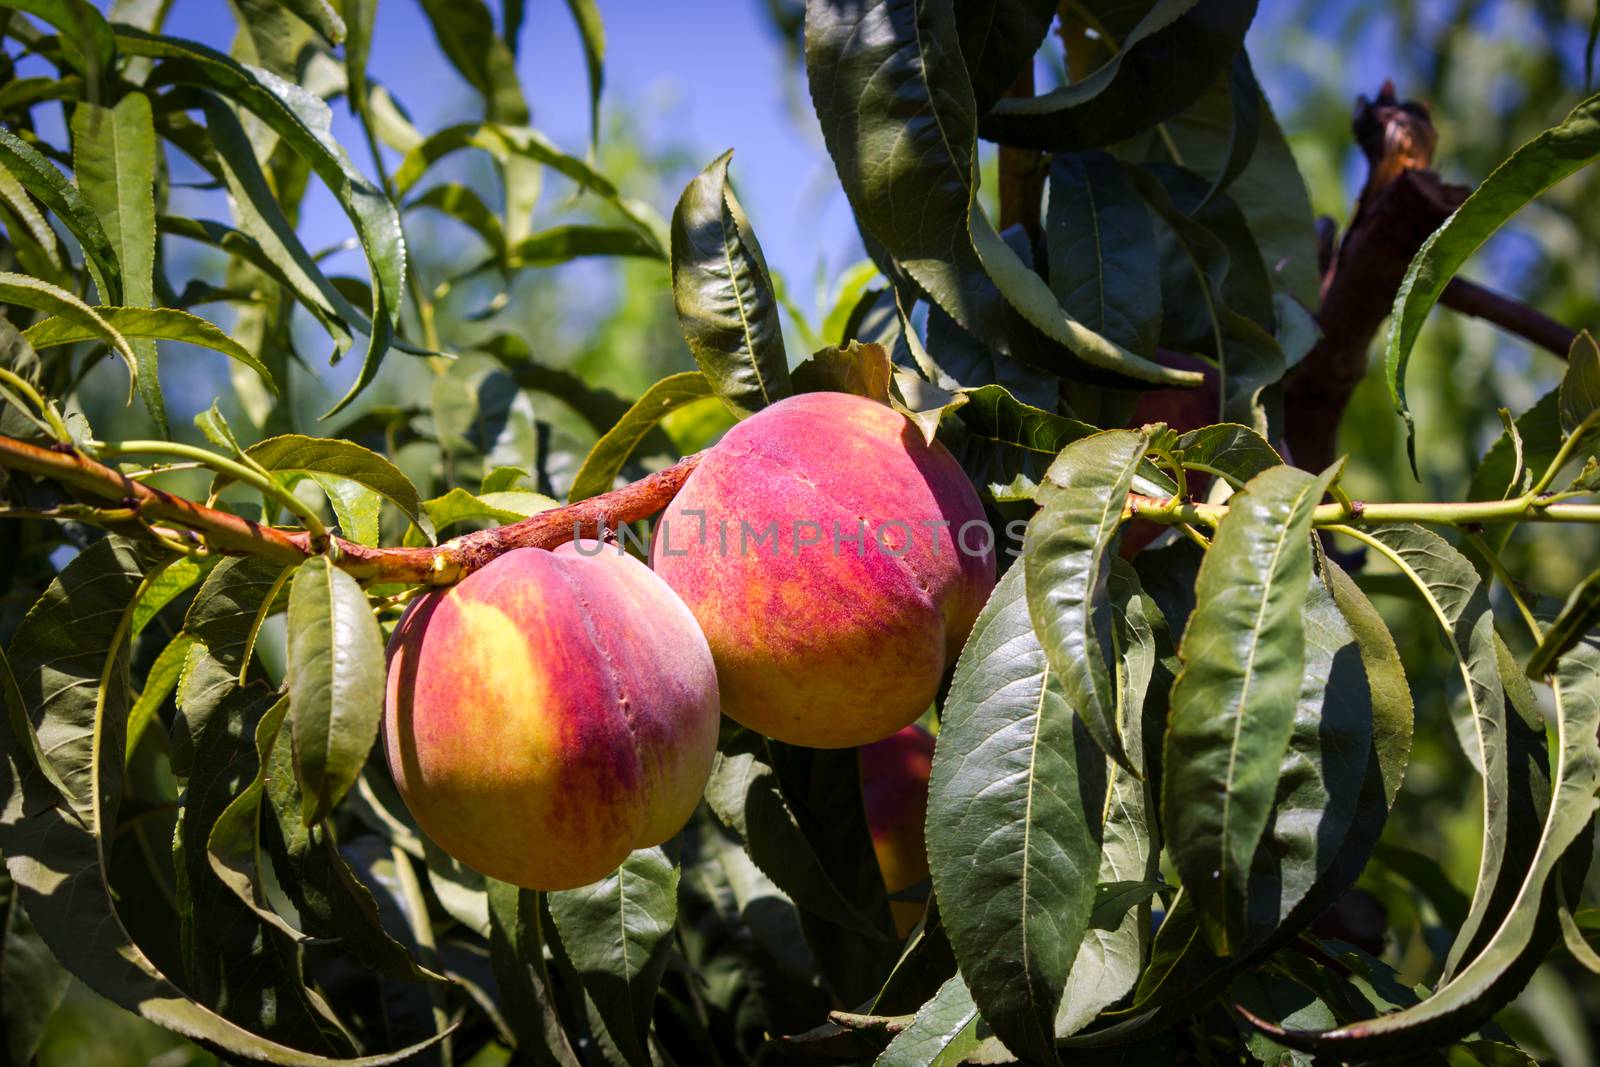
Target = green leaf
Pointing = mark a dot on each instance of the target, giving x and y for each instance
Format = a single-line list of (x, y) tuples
[(999, 37), (114, 160), (32, 983), (516, 947), (942, 1033), (1014, 849), (1454, 595), (1232, 452), (561, 244), (605, 460), (726, 307), (86, 40), (305, 124), (329, 457), (1233, 704), (336, 682), (462, 203), (1166, 60), (507, 144), (43, 180), (1553, 155), (166, 324), (159, 682), (54, 856), (458, 505), (1579, 615), (1478, 989), (466, 34), (586, 13), (906, 154), (53, 300), (618, 934), (1066, 558), (322, 16), (1008, 444), (1497, 476), (861, 369), (168, 586), (1103, 251), (748, 794), (1580, 386)]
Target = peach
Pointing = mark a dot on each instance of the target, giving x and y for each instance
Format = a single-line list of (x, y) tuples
[(550, 713), (894, 786), (835, 560)]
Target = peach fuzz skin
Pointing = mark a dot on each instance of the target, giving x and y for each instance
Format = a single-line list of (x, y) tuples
[(549, 714), (815, 646), (894, 787)]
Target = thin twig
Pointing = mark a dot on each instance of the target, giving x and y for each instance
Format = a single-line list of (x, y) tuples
[(1512, 316)]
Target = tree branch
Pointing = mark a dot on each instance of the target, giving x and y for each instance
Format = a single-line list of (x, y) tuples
[(1512, 316), (1022, 173), (226, 533)]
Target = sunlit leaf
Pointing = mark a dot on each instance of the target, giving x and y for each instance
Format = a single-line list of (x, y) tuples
[(605, 461)]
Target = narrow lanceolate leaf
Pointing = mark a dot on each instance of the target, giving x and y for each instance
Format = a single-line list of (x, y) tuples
[(1013, 847), (466, 35), (1103, 251), (1112, 954), (32, 983), (114, 158), (1579, 615), (53, 854), (586, 13), (1233, 704), (1164, 62), (44, 181), (604, 461), (142, 323), (516, 951), (1066, 558), (335, 682), (1536, 166), (319, 457), (618, 934), (1451, 590), (54, 300), (304, 122), (1486, 983), (726, 306), (943, 1033), (897, 110)]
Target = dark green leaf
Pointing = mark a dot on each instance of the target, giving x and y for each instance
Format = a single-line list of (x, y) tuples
[(560, 244), (1014, 848), (462, 203), (466, 34), (86, 39), (305, 124), (605, 461), (586, 13), (1533, 168), (1103, 251), (1008, 444), (1579, 615), (1171, 56), (1232, 452), (861, 369), (943, 1033), (32, 983), (618, 934), (1066, 557), (1233, 704), (336, 680), (44, 181), (516, 946), (906, 155), (726, 307)]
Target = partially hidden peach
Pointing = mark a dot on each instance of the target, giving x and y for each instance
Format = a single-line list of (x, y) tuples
[(894, 785), (836, 561), (550, 713)]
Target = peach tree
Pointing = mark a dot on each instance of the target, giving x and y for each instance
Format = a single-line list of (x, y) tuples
[(997, 681)]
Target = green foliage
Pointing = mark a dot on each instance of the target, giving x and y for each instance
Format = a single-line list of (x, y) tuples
[(1182, 747)]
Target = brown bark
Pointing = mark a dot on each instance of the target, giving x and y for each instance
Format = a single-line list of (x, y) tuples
[(222, 532), (1022, 173)]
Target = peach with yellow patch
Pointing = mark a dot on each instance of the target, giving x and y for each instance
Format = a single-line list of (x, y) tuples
[(550, 713), (836, 561), (894, 786)]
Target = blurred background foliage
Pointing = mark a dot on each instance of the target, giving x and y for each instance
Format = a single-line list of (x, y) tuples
[(1495, 73)]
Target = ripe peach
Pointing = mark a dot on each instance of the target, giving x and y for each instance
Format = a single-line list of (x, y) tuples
[(894, 785), (835, 560), (550, 713)]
